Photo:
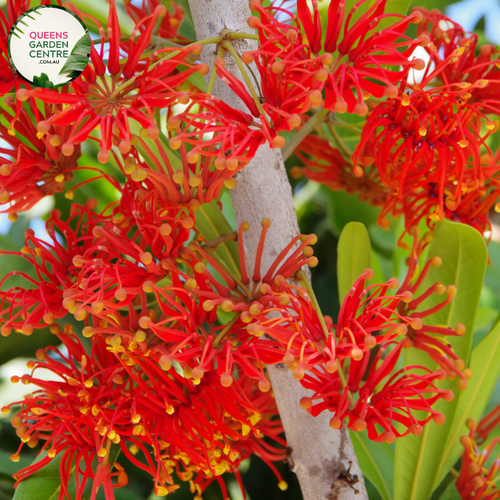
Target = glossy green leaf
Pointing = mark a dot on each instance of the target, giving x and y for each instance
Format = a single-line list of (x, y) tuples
[(342, 208), (353, 256), (44, 484), (8, 468), (211, 223), (376, 461), (187, 10), (473, 401), (463, 251)]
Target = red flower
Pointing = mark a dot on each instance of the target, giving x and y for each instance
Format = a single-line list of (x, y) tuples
[(136, 88), (169, 23), (430, 139), (370, 52), (123, 394), (325, 164), (290, 76), (31, 171), (352, 371), (477, 479), (78, 416)]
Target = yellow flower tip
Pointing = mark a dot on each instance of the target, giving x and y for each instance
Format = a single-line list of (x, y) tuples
[(451, 290), (335, 423), (422, 131), (264, 385), (5, 410), (436, 261), (15, 457), (283, 485), (161, 491), (468, 373), (360, 425), (298, 373), (27, 329), (226, 380), (52, 453), (417, 324), (306, 403), (356, 354), (146, 258), (407, 296), (170, 409), (80, 314), (101, 453)]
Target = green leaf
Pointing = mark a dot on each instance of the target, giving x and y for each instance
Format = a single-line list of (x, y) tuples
[(342, 208), (42, 81), (187, 10), (44, 484), (376, 461), (353, 256), (8, 468), (79, 57), (464, 255), (211, 223)]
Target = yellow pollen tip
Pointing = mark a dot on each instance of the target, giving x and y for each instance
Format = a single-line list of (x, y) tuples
[(283, 485)]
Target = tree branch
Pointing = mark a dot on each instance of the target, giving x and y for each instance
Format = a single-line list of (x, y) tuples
[(319, 454)]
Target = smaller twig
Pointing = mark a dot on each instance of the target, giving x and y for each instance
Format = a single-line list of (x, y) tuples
[(221, 239)]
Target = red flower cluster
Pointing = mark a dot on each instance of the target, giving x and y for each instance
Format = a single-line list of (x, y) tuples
[(326, 165), (122, 394), (477, 478), (430, 144)]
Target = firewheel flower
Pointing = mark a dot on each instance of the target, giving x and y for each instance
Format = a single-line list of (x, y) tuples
[(366, 389), (47, 295), (429, 138), (210, 143), (137, 87), (478, 476), (370, 52), (327, 165), (118, 395), (28, 172), (290, 77)]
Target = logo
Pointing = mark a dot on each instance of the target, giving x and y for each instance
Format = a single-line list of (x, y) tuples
[(49, 46)]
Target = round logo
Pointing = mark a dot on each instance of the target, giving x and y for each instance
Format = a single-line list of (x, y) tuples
[(49, 46)]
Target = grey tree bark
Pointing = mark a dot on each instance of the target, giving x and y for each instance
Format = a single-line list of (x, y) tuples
[(319, 454)]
